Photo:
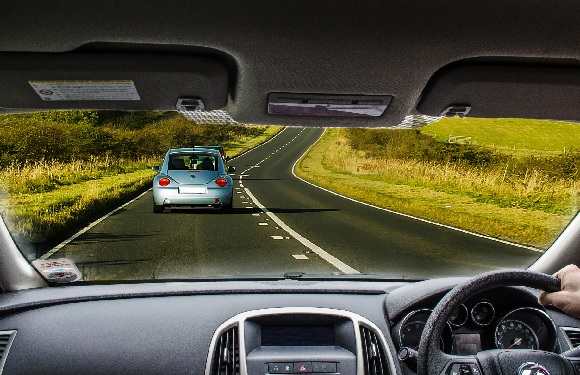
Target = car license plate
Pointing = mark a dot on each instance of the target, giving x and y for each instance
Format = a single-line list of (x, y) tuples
[(192, 190)]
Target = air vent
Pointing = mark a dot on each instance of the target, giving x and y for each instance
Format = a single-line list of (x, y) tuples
[(6, 338), (573, 335), (226, 355), (373, 352)]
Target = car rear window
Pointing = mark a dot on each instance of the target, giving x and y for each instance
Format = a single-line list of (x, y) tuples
[(185, 161)]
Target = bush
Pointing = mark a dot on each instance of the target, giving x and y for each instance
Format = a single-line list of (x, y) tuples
[(414, 145), (81, 135), (66, 117)]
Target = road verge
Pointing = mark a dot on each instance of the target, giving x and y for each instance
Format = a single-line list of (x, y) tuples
[(331, 164)]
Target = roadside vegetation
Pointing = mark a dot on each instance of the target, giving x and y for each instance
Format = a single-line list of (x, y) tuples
[(511, 136), (60, 170), (525, 197)]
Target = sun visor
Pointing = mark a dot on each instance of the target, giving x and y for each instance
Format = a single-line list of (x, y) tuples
[(508, 91), (43, 81)]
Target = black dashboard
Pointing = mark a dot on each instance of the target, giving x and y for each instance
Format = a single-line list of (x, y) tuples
[(256, 327)]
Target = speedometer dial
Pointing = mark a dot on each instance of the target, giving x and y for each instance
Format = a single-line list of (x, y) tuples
[(515, 334)]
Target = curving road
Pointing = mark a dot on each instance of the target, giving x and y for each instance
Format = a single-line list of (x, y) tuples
[(279, 224)]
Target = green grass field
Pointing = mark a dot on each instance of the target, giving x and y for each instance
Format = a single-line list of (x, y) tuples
[(529, 210), (509, 135)]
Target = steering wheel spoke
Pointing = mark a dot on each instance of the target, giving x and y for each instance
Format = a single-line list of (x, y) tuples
[(523, 361), (460, 365)]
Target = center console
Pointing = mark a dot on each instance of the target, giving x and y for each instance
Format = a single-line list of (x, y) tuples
[(299, 341)]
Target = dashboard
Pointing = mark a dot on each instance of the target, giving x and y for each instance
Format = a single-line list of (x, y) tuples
[(259, 327)]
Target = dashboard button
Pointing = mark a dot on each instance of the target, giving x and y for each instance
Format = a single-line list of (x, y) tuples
[(280, 368), (463, 369), (302, 367), (323, 367)]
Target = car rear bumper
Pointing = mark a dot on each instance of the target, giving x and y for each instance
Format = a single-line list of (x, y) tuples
[(172, 197)]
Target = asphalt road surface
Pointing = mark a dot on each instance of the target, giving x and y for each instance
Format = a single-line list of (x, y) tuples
[(279, 224)]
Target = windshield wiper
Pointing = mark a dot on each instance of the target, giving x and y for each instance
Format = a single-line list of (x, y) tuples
[(349, 276), (296, 275)]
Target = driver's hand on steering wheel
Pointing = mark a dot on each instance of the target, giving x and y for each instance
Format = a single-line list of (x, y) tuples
[(568, 298)]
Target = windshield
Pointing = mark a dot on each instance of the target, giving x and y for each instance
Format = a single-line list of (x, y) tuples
[(153, 196)]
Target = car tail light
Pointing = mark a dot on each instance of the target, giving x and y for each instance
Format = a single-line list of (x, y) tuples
[(164, 181), (221, 182)]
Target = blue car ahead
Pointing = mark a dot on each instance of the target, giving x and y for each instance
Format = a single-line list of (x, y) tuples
[(192, 177)]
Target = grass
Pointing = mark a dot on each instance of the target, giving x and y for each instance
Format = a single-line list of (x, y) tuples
[(48, 175), (474, 200), (515, 136), (47, 200), (43, 217)]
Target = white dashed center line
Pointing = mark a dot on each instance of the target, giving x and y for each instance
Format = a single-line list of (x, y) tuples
[(341, 266)]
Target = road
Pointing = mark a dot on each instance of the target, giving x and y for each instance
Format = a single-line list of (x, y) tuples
[(279, 224)]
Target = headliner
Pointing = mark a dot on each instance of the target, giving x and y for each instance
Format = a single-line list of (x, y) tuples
[(370, 47)]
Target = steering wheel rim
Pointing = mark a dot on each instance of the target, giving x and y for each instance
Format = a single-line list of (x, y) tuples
[(431, 360)]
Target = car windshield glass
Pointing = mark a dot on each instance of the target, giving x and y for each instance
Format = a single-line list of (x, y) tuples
[(136, 196)]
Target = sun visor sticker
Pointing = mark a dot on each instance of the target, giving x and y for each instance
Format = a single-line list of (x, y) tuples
[(85, 90), (60, 270)]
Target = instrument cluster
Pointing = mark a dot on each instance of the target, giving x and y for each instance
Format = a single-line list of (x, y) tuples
[(483, 324)]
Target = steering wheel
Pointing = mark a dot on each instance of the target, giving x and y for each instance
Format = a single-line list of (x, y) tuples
[(432, 361)]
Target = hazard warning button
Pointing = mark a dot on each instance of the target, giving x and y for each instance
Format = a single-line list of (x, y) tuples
[(302, 367)]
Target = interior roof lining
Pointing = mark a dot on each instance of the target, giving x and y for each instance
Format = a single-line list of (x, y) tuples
[(370, 47)]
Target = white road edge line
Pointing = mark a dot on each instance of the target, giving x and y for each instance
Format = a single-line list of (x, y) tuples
[(341, 266), (405, 215), (77, 234)]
